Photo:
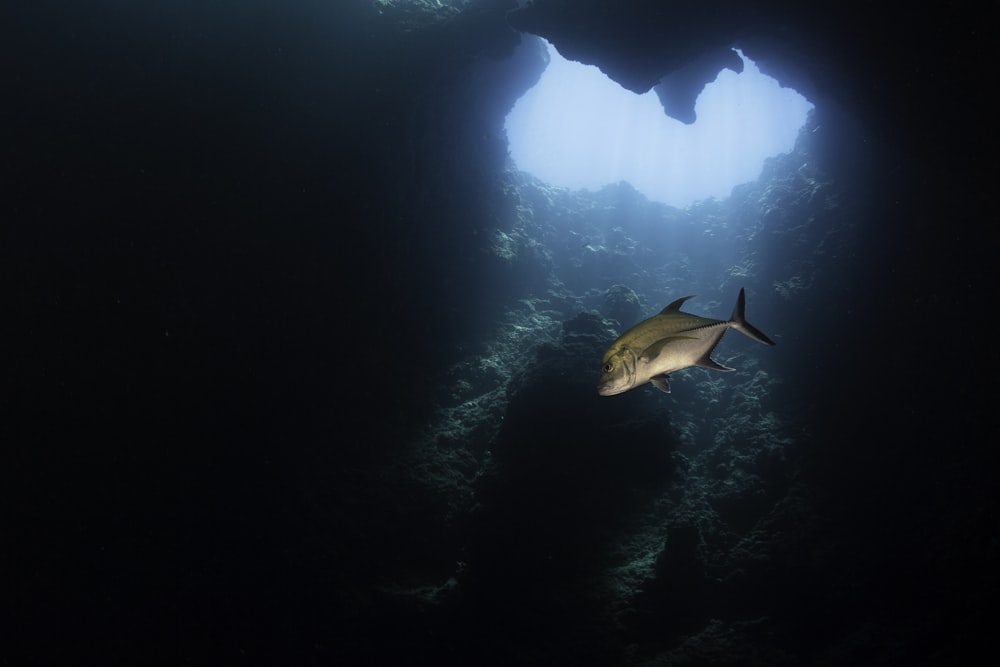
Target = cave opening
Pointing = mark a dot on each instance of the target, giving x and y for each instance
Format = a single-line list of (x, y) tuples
[(578, 129)]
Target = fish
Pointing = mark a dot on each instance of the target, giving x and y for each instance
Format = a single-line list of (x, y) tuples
[(656, 347)]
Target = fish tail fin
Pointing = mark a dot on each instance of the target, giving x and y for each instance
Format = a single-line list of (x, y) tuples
[(739, 321)]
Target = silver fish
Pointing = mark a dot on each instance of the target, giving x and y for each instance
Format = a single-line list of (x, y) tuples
[(668, 342)]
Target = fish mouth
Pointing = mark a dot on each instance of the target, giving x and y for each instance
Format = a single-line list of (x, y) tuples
[(606, 390)]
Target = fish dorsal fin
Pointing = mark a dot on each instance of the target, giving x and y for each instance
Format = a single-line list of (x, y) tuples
[(661, 382), (676, 305), (654, 350)]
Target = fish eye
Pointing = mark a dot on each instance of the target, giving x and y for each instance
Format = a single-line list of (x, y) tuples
[(608, 367)]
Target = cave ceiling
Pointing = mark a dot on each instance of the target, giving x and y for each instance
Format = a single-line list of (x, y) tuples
[(901, 71)]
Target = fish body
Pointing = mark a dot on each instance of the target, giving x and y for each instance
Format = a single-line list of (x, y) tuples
[(668, 342)]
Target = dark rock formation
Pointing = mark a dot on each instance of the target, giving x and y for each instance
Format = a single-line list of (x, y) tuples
[(901, 70)]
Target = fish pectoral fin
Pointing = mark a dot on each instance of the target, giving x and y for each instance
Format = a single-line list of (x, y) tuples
[(654, 350), (709, 362), (661, 382)]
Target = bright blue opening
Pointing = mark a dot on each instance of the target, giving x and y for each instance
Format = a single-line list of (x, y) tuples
[(578, 129)]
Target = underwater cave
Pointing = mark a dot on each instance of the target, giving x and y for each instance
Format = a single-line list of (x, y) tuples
[(304, 361)]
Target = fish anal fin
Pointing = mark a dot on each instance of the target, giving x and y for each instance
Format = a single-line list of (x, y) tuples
[(709, 362)]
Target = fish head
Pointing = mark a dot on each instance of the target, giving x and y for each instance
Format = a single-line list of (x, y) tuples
[(617, 371)]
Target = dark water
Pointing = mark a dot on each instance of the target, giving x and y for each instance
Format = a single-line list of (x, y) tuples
[(298, 370)]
